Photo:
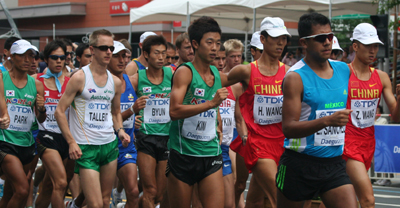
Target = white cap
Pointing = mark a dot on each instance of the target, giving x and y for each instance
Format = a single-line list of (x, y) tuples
[(21, 46), (366, 34), (255, 41), (36, 49), (145, 35), (335, 44), (274, 26), (118, 46)]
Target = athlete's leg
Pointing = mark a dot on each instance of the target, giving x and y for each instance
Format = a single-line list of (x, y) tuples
[(283, 202), (16, 183), (255, 195), (179, 192), (196, 203), (44, 198), (241, 177), (361, 182), (90, 182), (69, 169), (161, 180), (211, 190), (107, 176), (75, 186), (229, 191), (55, 169), (128, 177), (342, 196), (147, 172), (29, 202), (265, 171), (120, 186)]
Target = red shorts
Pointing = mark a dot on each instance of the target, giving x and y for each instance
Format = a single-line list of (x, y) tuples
[(261, 147), (237, 146), (359, 148)]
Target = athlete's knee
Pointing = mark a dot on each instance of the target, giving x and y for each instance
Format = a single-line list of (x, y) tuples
[(240, 187), (21, 191), (132, 193), (367, 201), (150, 192), (60, 184)]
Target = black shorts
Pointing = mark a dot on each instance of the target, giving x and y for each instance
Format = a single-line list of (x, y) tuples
[(24, 154), (191, 169), (53, 141), (153, 145), (302, 177)]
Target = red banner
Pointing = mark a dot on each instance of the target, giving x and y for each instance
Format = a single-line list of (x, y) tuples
[(177, 24), (123, 7)]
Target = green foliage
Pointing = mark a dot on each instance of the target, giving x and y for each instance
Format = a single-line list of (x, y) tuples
[(385, 5), (343, 29)]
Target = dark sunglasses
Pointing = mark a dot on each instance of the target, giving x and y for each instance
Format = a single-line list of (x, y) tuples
[(36, 57), (70, 53), (88, 55), (173, 57), (105, 48), (320, 37), (55, 57)]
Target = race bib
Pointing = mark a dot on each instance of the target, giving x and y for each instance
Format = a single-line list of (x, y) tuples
[(200, 127), (330, 135), (156, 111), (228, 123), (128, 123), (21, 117), (364, 111), (98, 115), (267, 109)]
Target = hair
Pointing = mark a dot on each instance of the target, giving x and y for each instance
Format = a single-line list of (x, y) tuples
[(222, 48), (95, 35), (153, 40), (67, 42), (171, 46), (180, 39), (52, 46), (264, 33), (311, 19), (9, 42), (41, 55), (81, 48), (233, 45), (126, 43), (202, 26), (335, 51)]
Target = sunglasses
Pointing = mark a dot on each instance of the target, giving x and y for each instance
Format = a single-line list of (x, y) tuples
[(105, 48), (173, 57), (55, 57), (70, 53), (320, 37), (88, 55)]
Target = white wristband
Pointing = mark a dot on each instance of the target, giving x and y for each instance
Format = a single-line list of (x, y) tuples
[(132, 109)]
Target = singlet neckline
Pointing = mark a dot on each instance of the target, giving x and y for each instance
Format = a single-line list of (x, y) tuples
[(27, 81), (352, 71), (215, 78), (94, 81), (279, 67), (164, 74), (333, 71)]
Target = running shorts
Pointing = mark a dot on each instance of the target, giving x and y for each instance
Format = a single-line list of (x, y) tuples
[(24, 154), (226, 161), (359, 148), (53, 141), (95, 156), (153, 145)]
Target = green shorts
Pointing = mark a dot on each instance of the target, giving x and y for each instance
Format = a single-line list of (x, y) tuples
[(95, 156)]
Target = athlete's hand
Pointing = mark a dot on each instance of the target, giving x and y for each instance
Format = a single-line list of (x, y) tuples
[(220, 96), (339, 118), (75, 151), (220, 135), (124, 137), (40, 103), (244, 140), (4, 122), (138, 122), (140, 103)]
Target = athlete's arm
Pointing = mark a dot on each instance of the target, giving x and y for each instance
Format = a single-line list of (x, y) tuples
[(4, 117), (74, 87), (131, 68), (181, 81), (140, 103), (39, 107), (219, 129), (240, 73), (241, 127), (291, 110), (391, 102), (116, 113)]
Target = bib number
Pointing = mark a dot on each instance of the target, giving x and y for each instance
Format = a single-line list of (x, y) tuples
[(156, 111), (363, 115), (21, 117), (98, 115), (267, 109), (128, 123), (200, 127), (330, 135), (228, 123)]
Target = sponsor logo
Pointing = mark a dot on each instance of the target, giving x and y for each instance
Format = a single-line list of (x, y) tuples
[(226, 165), (100, 97), (48, 136), (108, 91), (128, 155), (278, 81), (216, 162), (18, 101), (146, 89), (344, 92), (199, 92), (10, 93), (91, 90), (334, 105), (29, 96), (166, 88), (59, 95), (371, 85), (13, 108), (260, 99)]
